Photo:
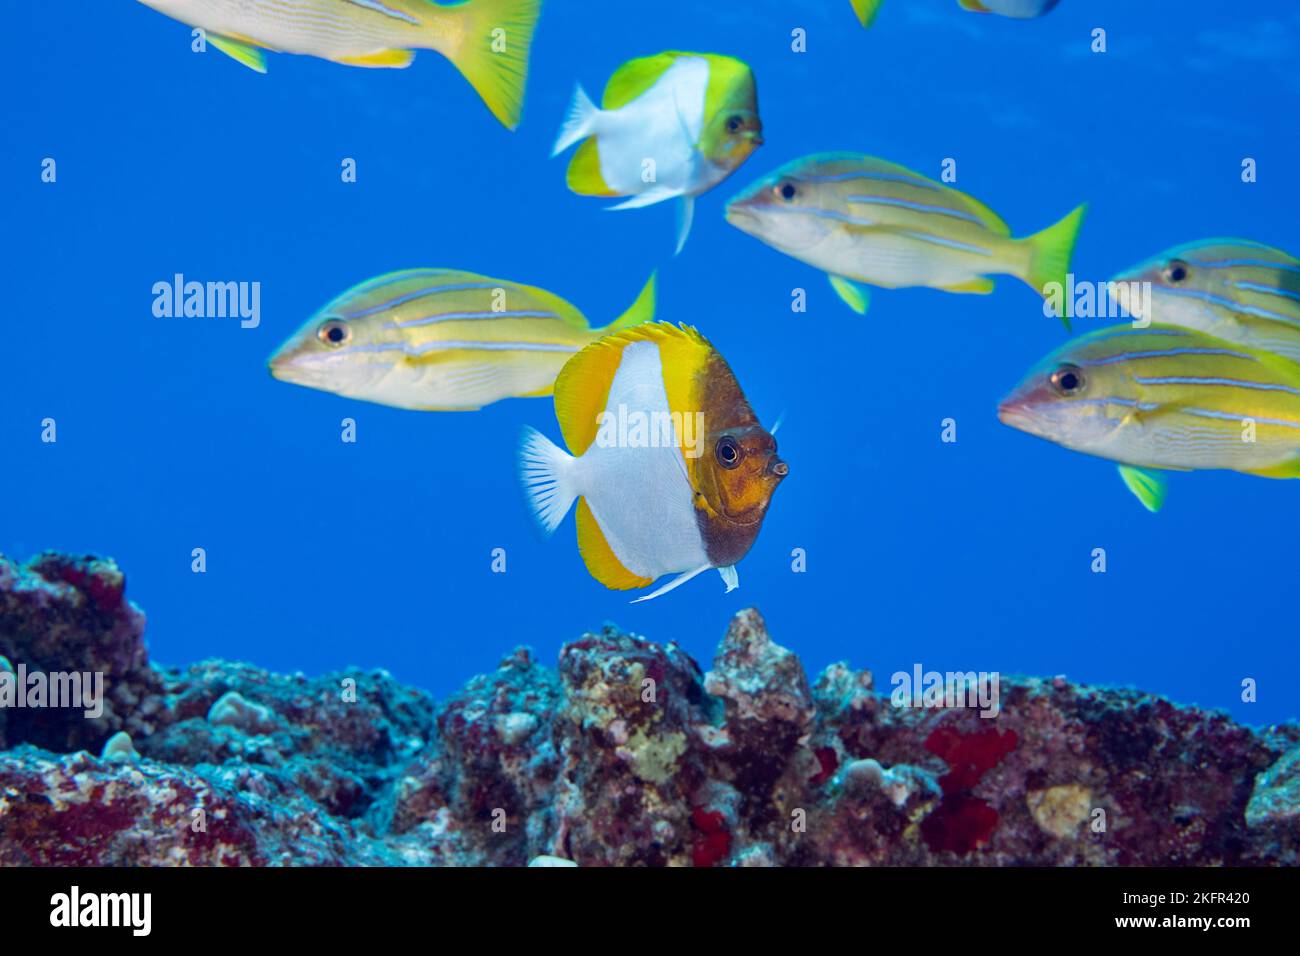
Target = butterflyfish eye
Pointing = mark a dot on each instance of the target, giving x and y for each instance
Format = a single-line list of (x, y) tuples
[(1176, 271), (733, 124), (1068, 380), (334, 333), (727, 452), (786, 191)]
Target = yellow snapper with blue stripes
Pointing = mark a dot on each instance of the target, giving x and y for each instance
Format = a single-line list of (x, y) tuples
[(1233, 289), (487, 40), (670, 126), (1164, 398), (864, 220), (670, 469), (1016, 9), (442, 340)]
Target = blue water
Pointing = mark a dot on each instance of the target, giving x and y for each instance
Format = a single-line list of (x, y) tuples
[(973, 555)]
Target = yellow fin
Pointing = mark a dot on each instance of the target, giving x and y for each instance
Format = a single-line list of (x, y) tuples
[(1289, 470), (395, 59), (973, 5), (635, 77), (238, 50), (1049, 255), (642, 310), (856, 296), (600, 558), (582, 387), (1147, 486), (981, 286), (584, 176), (492, 52), (866, 10)]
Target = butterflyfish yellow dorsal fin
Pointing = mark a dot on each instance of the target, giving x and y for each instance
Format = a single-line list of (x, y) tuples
[(635, 77), (582, 387)]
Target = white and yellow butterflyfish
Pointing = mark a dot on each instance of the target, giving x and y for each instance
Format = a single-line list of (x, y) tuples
[(670, 469), (670, 126)]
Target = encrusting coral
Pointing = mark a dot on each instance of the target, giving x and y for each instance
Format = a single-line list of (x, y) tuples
[(626, 754)]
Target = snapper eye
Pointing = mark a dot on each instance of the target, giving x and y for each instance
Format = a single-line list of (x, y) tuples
[(334, 333), (1068, 380), (786, 191), (1176, 271), (727, 452)]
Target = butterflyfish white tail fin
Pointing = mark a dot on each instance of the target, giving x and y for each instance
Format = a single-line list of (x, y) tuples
[(674, 583), (579, 124), (547, 472)]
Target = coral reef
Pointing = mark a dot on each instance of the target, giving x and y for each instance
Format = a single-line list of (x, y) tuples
[(627, 754)]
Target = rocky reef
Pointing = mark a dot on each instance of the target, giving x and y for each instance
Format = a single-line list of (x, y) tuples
[(627, 753)]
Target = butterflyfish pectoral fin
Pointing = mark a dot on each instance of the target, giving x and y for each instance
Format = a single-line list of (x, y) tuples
[(391, 59), (674, 583), (855, 295), (238, 50), (1147, 486), (730, 576), (648, 198), (685, 216)]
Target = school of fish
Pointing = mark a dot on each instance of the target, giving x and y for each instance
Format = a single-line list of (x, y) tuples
[(667, 468)]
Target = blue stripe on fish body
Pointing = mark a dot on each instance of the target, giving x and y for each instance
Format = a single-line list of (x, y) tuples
[(413, 296), (454, 316), (915, 207), (1168, 353), (386, 10), (1197, 380)]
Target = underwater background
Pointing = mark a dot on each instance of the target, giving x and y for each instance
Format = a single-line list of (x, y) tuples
[(974, 555)]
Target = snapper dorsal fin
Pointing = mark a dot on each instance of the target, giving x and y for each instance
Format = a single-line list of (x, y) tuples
[(582, 387)]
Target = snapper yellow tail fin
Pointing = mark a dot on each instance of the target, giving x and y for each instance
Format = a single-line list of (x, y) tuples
[(1049, 255), (495, 37)]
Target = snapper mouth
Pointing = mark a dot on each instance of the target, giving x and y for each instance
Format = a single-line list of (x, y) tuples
[(1019, 414)]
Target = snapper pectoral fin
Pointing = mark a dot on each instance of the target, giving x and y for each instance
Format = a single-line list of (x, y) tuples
[(855, 295), (1147, 486), (238, 50), (391, 59)]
